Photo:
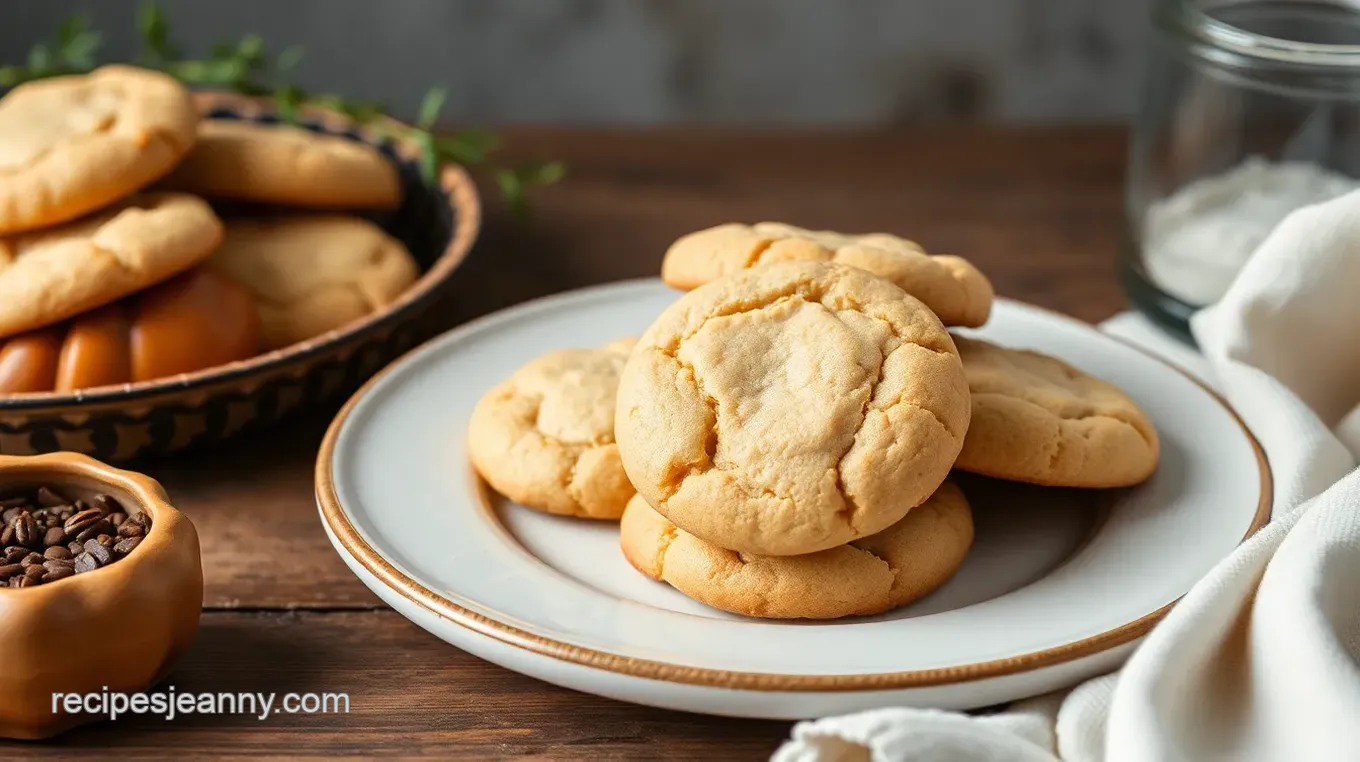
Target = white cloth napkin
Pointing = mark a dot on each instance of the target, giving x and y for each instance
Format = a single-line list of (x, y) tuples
[(1261, 660)]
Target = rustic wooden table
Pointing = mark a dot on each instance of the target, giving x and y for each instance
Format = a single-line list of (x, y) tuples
[(1038, 210)]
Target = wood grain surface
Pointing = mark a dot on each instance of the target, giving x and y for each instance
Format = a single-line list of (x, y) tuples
[(1038, 210)]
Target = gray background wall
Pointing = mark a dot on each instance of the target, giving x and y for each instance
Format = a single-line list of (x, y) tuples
[(805, 62)]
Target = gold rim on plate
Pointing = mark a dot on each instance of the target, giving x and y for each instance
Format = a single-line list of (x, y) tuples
[(458, 614)]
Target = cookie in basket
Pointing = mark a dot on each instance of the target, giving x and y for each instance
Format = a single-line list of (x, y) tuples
[(873, 574), (1037, 419), (71, 145), (545, 436), (312, 274), (49, 275), (286, 165), (951, 286), (791, 408)]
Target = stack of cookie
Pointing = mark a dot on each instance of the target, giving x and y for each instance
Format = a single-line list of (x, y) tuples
[(103, 281), (778, 442)]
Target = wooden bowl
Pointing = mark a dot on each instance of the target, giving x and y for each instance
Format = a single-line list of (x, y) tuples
[(438, 224), (118, 628)]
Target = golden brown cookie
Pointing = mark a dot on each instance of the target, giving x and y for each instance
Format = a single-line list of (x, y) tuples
[(70, 145), (791, 408), (871, 575), (312, 274), (1037, 419), (283, 164), (545, 436), (49, 275), (951, 286)]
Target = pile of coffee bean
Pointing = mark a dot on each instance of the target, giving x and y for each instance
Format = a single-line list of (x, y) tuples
[(47, 537)]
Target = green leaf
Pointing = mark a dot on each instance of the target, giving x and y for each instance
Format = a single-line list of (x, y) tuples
[(429, 157), (153, 28), (468, 146), (39, 60), (70, 28), (287, 99), (12, 75), (289, 58), (250, 48), (512, 190), (79, 52), (430, 107), (222, 49), (545, 173)]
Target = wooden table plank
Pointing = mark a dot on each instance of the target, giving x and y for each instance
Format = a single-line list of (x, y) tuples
[(410, 694)]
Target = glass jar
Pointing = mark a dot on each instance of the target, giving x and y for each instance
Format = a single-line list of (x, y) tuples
[(1250, 109)]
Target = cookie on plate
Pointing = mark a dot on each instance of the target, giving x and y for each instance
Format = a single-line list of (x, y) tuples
[(545, 436), (70, 145), (287, 165), (951, 286), (49, 275), (1037, 419), (871, 575), (312, 274), (791, 408)]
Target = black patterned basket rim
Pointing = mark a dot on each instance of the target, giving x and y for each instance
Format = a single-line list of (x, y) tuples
[(464, 204)]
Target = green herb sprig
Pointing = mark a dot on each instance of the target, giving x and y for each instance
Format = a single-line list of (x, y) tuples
[(245, 66)]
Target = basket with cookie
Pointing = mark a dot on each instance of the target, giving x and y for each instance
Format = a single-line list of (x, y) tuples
[(175, 267), (779, 443)]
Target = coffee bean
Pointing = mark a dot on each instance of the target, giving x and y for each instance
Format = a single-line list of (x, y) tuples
[(131, 528), (85, 562), (126, 546), (26, 531), (47, 497), (101, 554), (46, 537), (105, 503), (94, 530), (79, 521), (58, 563), (59, 552)]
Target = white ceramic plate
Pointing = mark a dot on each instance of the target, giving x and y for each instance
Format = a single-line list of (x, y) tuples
[(1058, 586)]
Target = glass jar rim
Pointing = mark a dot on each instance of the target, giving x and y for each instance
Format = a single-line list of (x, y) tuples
[(1190, 17)]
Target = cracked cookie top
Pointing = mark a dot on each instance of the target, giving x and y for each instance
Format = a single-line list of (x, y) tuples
[(871, 575), (72, 144), (49, 275), (790, 408), (1037, 419), (545, 436), (950, 286)]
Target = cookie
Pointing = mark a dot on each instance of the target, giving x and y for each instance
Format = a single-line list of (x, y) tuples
[(287, 165), (1037, 419), (312, 274), (957, 292), (49, 275), (545, 436), (791, 408), (71, 145), (871, 575)]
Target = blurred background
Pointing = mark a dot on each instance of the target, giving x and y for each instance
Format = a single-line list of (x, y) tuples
[(619, 62)]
